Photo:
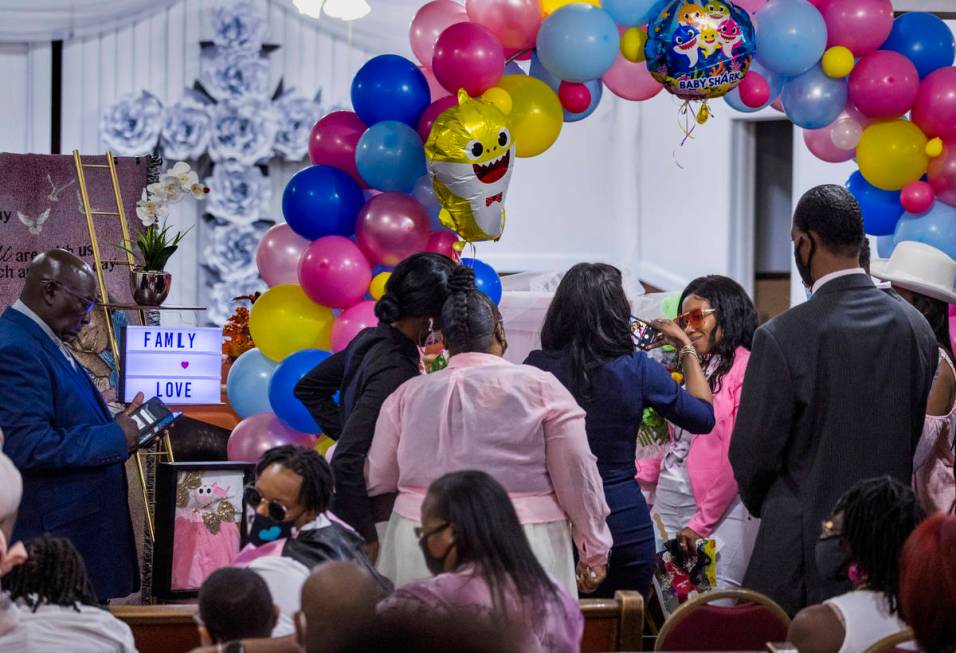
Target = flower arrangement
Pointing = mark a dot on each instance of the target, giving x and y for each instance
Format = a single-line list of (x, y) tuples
[(237, 339)]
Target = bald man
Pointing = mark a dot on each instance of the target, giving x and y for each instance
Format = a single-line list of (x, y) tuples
[(58, 430), (338, 603)]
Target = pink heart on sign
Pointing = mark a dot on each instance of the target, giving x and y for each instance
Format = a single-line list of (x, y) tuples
[(185, 364)]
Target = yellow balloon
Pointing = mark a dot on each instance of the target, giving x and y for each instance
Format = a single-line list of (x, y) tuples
[(632, 44), (838, 62), (934, 148), (498, 98), (323, 443), (892, 154), (377, 288), (550, 6), (536, 114), (284, 320)]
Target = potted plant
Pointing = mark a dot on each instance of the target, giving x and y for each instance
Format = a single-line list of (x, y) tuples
[(149, 281)]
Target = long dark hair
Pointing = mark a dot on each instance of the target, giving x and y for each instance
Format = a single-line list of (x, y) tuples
[(469, 317), (53, 574), (878, 515), (489, 536), (417, 287), (936, 313), (736, 319), (591, 318)]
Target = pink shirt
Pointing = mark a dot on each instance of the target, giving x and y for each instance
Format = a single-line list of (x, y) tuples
[(514, 422)]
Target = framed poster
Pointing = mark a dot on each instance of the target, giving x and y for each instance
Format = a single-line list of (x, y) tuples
[(199, 525)]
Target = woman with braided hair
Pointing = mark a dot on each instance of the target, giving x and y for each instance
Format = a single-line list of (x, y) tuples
[(514, 422)]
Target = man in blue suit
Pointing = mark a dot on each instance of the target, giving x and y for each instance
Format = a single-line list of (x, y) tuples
[(58, 430)]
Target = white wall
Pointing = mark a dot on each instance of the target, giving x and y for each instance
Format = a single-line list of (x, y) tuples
[(25, 109)]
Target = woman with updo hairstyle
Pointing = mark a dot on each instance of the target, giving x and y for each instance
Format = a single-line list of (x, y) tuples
[(513, 422), (377, 361)]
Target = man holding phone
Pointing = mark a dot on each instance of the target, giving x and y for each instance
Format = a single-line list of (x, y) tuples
[(58, 431)]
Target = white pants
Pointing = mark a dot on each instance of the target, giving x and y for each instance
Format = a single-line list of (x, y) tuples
[(401, 561)]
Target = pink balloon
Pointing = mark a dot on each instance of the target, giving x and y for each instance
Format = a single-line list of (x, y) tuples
[(334, 272), (278, 255), (753, 6), (861, 25), (821, 145), (391, 227), (349, 322), (429, 22), (443, 242), (917, 197), (436, 90), (255, 435), (884, 84), (754, 89), (333, 142), (631, 80), (574, 97), (519, 54), (847, 129), (468, 56), (514, 23), (778, 105), (935, 108), (434, 109), (942, 174)]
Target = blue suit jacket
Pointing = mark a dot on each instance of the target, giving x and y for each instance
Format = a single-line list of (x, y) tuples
[(61, 436)]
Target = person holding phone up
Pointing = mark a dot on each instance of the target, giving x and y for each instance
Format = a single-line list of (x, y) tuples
[(588, 346), (58, 431)]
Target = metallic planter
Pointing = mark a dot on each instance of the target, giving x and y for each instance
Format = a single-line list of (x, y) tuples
[(150, 287)]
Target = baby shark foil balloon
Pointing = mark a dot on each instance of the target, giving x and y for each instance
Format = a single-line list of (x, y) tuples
[(470, 154)]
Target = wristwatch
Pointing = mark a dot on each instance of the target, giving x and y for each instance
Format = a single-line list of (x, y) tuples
[(234, 647)]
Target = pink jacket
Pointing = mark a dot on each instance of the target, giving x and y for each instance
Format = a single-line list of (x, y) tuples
[(708, 465)]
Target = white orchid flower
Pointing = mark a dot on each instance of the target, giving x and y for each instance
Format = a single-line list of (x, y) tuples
[(172, 187), (156, 191), (198, 190)]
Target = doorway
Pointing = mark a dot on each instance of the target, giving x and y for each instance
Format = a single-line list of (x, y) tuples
[(773, 191)]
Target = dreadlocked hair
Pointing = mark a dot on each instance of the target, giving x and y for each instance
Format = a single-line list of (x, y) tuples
[(878, 515), (316, 474), (469, 317), (53, 574)]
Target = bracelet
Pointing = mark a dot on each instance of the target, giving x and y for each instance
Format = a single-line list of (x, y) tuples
[(688, 350)]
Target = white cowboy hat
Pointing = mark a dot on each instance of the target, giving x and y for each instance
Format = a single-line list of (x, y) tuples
[(919, 268)]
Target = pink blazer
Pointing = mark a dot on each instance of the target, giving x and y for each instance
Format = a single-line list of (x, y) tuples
[(708, 465)]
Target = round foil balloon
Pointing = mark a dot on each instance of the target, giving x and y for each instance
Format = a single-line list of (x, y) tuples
[(700, 51)]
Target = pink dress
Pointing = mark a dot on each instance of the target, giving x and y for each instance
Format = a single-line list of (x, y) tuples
[(552, 626), (933, 462), (206, 535)]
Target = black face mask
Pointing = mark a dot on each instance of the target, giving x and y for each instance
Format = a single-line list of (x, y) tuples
[(435, 565), (265, 529), (806, 272), (832, 560)]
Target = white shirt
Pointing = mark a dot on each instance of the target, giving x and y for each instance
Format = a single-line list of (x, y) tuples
[(866, 619), (23, 308), (827, 278), (55, 628)]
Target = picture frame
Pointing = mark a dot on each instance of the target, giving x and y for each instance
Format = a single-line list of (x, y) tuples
[(199, 523)]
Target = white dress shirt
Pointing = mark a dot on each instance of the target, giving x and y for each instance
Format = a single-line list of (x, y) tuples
[(56, 628), (827, 278), (23, 308)]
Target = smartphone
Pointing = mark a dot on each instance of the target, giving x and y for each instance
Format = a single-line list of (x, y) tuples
[(151, 419), (645, 336)]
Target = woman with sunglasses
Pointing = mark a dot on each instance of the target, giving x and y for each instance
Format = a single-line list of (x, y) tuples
[(695, 491), (511, 421), (484, 568), (375, 363), (587, 345)]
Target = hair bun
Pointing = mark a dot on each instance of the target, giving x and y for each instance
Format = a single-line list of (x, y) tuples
[(387, 309), (461, 279)]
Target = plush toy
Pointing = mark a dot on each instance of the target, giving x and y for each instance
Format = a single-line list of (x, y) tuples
[(206, 535)]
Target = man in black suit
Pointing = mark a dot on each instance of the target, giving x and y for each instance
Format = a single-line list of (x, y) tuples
[(835, 392)]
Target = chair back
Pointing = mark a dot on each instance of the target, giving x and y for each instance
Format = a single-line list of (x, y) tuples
[(747, 626), (160, 628), (613, 624), (891, 643)]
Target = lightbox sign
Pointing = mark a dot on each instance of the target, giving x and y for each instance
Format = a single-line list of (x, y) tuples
[(180, 365)]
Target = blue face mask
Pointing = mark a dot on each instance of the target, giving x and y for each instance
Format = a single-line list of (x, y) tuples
[(265, 529)]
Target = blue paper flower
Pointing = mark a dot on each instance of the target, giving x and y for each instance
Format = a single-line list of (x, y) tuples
[(131, 126), (235, 74), (232, 250), (297, 115), (221, 304), (238, 194), (243, 130), (238, 24), (185, 129)]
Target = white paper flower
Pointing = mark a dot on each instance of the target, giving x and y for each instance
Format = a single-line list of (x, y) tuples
[(235, 74), (243, 130), (232, 250), (297, 115), (185, 129), (150, 210), (238, 194), (238, 24), (221, 304), (131, 126)]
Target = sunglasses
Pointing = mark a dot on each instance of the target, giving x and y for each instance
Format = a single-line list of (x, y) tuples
[(253, 498), (695, 318), (423, 535)]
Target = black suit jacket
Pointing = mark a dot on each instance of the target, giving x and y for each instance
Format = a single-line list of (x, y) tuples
[(835, 392)]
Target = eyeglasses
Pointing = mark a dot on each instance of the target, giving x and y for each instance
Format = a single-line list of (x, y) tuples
[(86, 302), (829, 530), (694, 318), (253, 497), (423, 535)]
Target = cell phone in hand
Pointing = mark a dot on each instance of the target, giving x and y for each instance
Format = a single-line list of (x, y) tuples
[(645, 336), (151, 418)]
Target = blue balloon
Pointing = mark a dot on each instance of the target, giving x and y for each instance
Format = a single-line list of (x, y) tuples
[(247, 385), (936, 227), (630, 13), (578, 43), (486, 279), (924, 39), (881, 208), (595, 86), (322, 201), (424, 192), (812, 99), (775, 80), (792, 36), (290, 371), (885, 245), (390, 156), (390, 87)]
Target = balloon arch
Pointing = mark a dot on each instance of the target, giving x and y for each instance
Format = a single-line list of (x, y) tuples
[(424, 160)]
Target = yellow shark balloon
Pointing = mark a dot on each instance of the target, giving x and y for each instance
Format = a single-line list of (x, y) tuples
[(470, 154)]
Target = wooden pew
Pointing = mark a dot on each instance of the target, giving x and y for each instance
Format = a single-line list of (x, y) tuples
[(160, 628), (613, 624)]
